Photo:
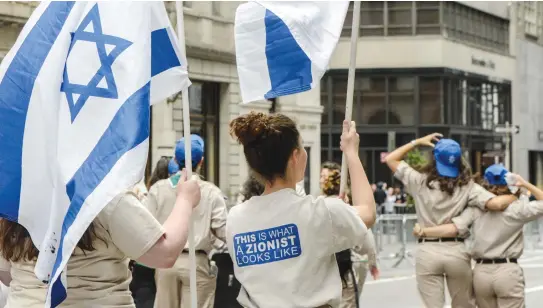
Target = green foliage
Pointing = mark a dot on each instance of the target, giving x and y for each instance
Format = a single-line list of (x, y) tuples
[(415, 159)]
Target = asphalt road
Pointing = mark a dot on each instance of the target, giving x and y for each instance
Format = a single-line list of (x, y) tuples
[(397, 286)]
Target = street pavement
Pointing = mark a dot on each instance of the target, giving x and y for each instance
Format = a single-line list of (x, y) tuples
[(397, 286)]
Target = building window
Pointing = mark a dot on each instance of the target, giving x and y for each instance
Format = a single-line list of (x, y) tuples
[(530, 16), (430, 100), (400, 17), (392, 18), (401, 103), (372, 18), (469, 25), (428, 17)]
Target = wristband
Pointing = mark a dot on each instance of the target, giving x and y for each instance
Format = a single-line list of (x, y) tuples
[(414, 143)]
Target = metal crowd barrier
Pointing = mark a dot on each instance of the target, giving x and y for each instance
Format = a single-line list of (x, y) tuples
[(395, 228)]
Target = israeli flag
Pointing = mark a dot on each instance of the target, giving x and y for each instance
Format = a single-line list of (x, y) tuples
[(284, 47), (75, 97)]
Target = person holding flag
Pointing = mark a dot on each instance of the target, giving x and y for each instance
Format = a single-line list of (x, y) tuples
[(76, 91), (284, 233), (210, 222)]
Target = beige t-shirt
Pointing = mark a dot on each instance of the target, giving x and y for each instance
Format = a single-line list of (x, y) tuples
[(498, 235), (98, 278), (435, 207), (209, 216), (283, 247)]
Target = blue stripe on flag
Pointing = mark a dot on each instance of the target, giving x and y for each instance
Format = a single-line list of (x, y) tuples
[(163, 56), (288, 65), (16, 90), (129, 128)]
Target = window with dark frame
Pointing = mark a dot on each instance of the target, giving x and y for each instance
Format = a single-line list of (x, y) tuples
[(460, 22)]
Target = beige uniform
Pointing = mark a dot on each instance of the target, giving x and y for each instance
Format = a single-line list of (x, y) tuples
[(283, 247), (498, 235), (437, 261), (173, 288), (98, 278), (363, 256)]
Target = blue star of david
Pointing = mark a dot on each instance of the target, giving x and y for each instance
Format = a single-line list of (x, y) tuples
[(106, 60)]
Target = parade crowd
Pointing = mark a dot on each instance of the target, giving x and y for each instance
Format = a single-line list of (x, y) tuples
[(278, 246)]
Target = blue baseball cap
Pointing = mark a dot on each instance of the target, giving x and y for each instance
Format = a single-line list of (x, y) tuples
[(448, 156), (197, 150), (173, 167), (495, 174)]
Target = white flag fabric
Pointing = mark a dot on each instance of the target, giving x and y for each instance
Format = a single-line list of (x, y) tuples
[(75, 97), (284, 47)]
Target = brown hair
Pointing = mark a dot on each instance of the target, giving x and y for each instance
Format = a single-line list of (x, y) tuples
[(497, 190), (16, 244), (331, 185), (160, 172), (446, 184), (268, 142)]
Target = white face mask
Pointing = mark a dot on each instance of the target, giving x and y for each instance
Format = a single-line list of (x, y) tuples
[(511, 180)]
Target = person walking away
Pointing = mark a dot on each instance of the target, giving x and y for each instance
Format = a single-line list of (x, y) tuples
[(352, 265), (498, 241), (173, 288), (143, 286), (283, 244), (442, 189), (98, 274)]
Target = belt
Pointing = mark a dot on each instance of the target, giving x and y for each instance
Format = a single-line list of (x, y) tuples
[(441, 240), (202, 252), (496, 261)]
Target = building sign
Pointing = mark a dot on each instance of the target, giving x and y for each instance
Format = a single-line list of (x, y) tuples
[(483, 63)]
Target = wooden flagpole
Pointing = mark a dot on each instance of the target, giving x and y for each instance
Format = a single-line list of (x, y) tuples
[(188, 153), (350, 85)]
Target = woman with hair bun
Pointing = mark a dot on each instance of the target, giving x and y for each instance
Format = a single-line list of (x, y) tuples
[(442, 190), (284, 244)]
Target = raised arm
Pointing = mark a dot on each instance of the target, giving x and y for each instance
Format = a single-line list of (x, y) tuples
[(393, 159), (166, 250), (536, 192), (362, 193)]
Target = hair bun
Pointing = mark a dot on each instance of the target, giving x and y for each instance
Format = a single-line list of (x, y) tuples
[(251, 127)]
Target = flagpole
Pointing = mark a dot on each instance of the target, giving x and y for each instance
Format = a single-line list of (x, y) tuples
[(188, 153), (350, 85)]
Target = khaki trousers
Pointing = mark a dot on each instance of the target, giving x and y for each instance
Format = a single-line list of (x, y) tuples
[(348, 296), (439, 262), (499, 285), (173, 286)]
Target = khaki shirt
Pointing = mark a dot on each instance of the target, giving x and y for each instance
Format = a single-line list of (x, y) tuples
[(435, 207), (283, 247), (209, 216), (98, 278), (498, 235)]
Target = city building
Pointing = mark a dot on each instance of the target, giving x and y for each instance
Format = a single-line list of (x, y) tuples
[(422, 67), (527, 145)]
